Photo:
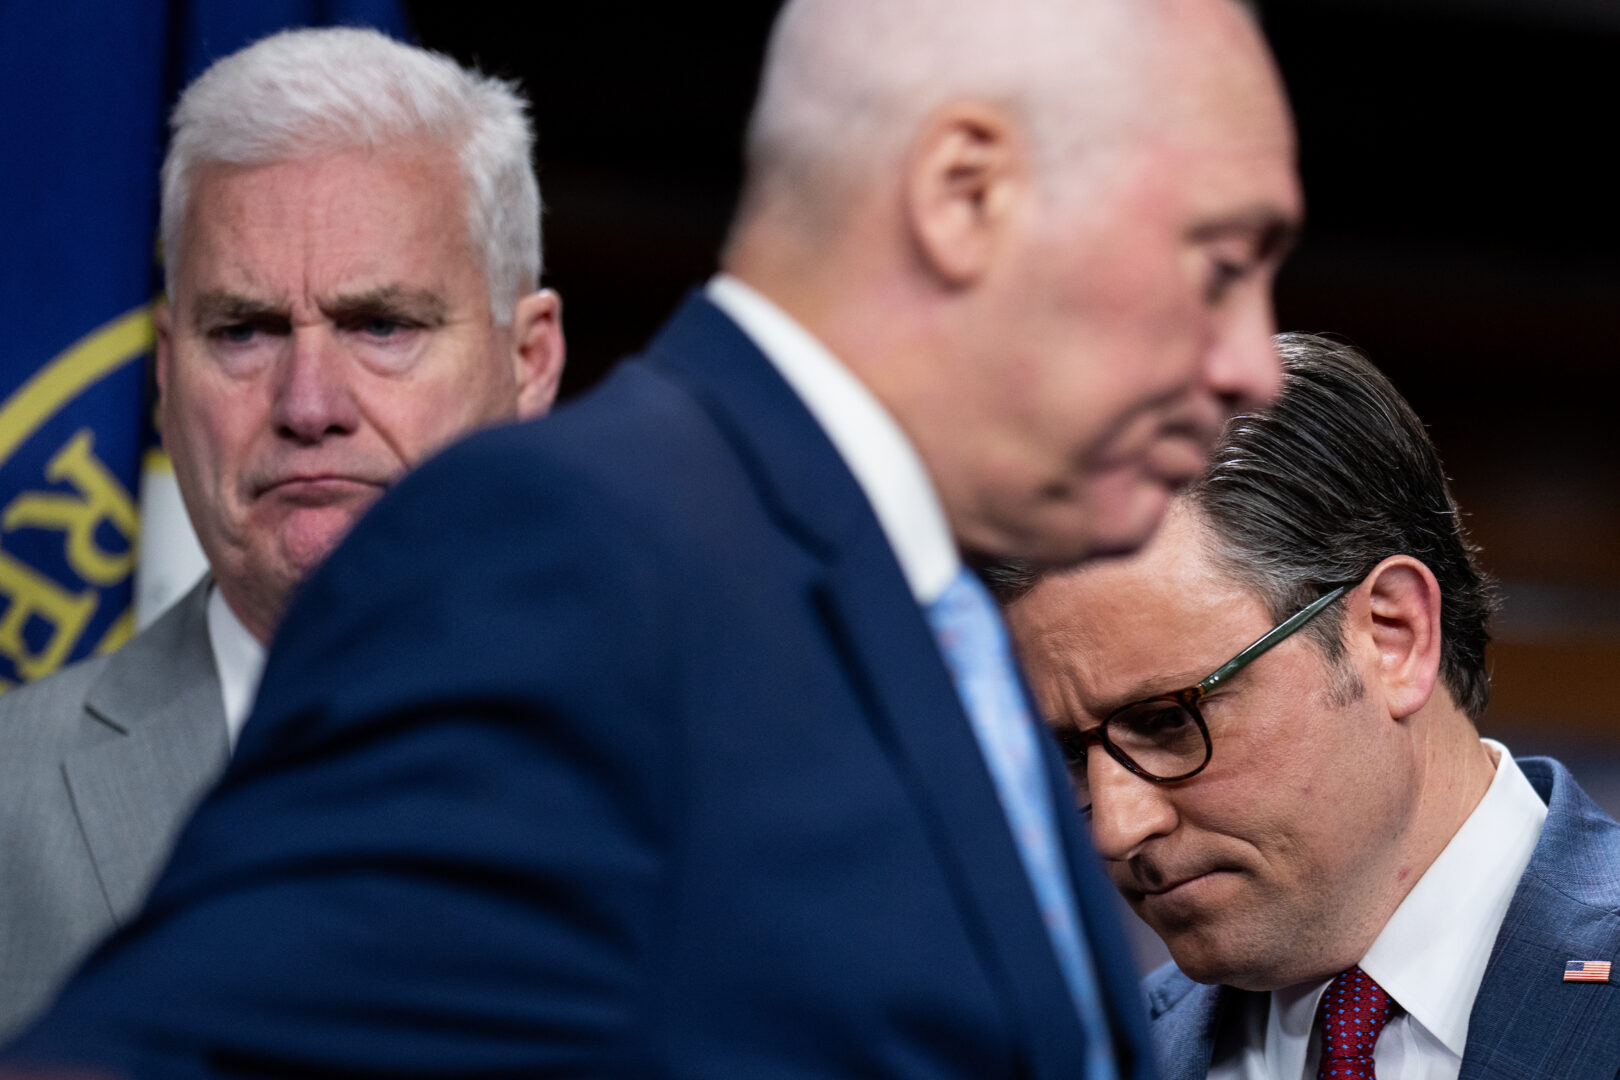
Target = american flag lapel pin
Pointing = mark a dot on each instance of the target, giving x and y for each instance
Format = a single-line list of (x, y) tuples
[(1586, 971)]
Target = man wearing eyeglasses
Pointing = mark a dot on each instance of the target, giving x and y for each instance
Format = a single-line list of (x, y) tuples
[(1269, 716)]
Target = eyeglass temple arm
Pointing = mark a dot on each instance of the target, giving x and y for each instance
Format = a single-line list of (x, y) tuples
[(1270, 638)]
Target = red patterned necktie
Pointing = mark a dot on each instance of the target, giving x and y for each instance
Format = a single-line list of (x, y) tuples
[(1352, 1014)]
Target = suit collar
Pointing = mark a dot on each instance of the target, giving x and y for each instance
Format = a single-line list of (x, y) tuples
[(868, 439), (168, 663), (894, 659), (1527, 1021), (919, 718), (238, 659), (794, 465), (161, 692), (1184, 1018)]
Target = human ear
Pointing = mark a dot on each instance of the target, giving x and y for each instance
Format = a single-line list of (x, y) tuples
[(538, 351), (1403, 603), (964, 177)]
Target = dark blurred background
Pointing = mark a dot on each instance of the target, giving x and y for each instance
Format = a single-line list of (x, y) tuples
[(1462, 229)]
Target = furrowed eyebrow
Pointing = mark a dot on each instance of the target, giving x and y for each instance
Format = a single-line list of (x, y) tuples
[(224, 307), (1156, 687), (421, 305)]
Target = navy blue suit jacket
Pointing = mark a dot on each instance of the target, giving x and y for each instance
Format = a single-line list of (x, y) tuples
[(608, 746), (1527, 1022)]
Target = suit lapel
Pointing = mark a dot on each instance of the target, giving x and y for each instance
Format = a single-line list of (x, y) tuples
[(920, 719), (162, 693), (892, 654), (1526, 1020)]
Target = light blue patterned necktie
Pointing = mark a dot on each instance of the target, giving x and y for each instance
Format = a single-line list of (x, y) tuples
[(974, 642)]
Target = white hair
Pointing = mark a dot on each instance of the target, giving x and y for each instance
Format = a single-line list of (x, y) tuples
[(847, 83), (306, 93)]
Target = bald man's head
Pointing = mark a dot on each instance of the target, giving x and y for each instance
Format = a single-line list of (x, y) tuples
[(848, 83), (1041, 232)]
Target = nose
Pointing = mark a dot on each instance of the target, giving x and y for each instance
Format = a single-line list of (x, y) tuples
[(1243, 367), (313, 398), (1126, 810)]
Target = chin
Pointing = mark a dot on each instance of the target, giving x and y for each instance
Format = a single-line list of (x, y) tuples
[(307, 542), (1244, 956), (1205, 960)]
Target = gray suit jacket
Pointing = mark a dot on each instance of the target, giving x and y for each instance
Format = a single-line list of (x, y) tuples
[(100, 764), (1527, 1022)]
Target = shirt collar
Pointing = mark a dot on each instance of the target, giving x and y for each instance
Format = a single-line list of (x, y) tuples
[(239, 660), (1431, 955), (871, 443)]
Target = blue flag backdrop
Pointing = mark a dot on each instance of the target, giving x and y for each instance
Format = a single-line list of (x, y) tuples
[(85, 91)]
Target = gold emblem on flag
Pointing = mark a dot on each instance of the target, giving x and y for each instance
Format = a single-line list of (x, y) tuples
[(96, 500)]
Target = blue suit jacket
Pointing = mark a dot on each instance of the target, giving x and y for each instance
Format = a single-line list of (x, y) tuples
[(609, 746), (1527, 1022)]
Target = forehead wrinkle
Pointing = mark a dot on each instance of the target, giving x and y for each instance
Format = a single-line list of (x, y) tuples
[(1154, 645), (1065, 645)]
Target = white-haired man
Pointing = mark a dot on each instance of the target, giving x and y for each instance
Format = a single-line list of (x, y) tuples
[(332, 318), (694, 751)]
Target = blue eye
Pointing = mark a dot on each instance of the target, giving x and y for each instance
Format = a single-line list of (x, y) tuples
[(383, 328), (380, 327), (236, 333)]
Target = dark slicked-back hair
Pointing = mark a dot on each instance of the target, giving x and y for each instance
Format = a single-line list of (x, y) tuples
[(1331, 479)]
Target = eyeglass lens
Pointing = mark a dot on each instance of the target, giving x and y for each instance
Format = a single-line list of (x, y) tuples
[(1160, 737)]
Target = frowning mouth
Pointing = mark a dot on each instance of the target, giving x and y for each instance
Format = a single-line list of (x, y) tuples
[(317, 488), (1176, 886), (1150, 884), (1184, 900)]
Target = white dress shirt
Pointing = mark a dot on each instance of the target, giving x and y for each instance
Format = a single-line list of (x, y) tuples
[(1430, 957), (883, 460), (239, 660)]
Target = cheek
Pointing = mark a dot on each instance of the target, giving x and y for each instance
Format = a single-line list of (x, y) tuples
[(1146, 278), (205, 436), (1301, 813), (486, 384), (1253, 788), (1155, 357), (417, 421)]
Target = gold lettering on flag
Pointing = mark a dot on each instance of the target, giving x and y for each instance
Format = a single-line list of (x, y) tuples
[(31, 595), (101, 499), (41, 618)]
